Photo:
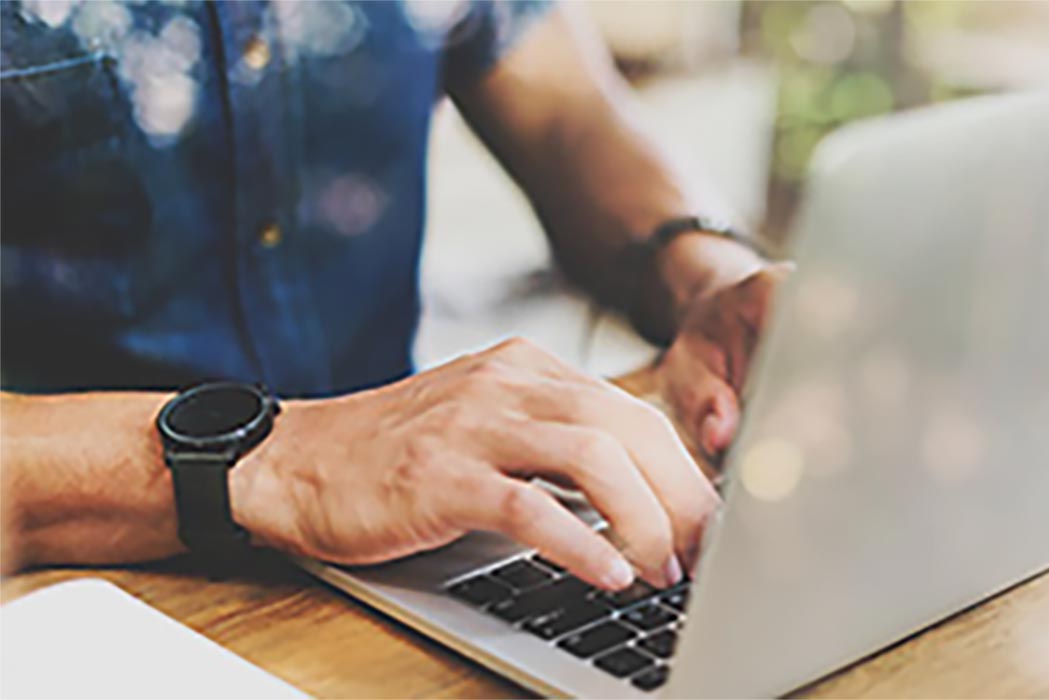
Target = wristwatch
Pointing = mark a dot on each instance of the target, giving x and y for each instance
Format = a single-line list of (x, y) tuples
[(669, 230), (639, 258), (205, 430)]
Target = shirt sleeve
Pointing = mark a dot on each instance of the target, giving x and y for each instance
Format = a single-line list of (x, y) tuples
[(487, 32)]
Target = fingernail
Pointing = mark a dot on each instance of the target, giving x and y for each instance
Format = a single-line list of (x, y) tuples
[(618, 575), (672, 571)]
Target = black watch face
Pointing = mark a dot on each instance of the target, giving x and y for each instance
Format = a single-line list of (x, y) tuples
[(212, 411)]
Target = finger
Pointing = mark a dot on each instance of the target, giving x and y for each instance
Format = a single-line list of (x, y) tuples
[(534, 518), (719, 416), (649, 438), (677, 481), (596, 463), (700, 395), (722, 339)]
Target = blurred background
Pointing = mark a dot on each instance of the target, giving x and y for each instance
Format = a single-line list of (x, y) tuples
[(739, 93)]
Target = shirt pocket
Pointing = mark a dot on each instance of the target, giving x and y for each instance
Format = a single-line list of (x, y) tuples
[(75, 214)]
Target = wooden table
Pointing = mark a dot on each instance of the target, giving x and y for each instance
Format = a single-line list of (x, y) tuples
[(330, 646)]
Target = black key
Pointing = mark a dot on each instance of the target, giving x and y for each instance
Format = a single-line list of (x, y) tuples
[(660, 644), (677, 598), (543, 599), (480, 590), (596, 639), (522, 574), (652, 678), (623, 662), (520, 608), (648, 617), (543, 561), (563, 620), (637, 591)]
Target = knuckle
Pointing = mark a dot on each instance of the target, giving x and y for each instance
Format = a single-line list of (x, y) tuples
[(573, 406), (690, 516), (411, 472), (520, 505), (655, 539), (593, 449), (452, 415), (662, 535), (652, 417), (692, 503), (485, 376), (516, 347)]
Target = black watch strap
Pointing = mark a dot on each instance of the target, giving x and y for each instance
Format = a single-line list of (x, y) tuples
[(201, 483), (666, 232)]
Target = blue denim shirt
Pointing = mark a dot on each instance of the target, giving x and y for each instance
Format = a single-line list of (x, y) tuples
[(222, 190)]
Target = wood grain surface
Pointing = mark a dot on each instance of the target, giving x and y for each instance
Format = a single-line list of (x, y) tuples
[(317, 639)]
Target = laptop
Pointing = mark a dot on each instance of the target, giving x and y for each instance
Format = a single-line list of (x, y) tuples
[(893, 463)]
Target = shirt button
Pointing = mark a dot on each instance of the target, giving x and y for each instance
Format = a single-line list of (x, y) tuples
[(256, 53), (271, 236)]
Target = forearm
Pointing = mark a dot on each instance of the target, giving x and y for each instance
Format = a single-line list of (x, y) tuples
[(612, 189), (559, 118), (630, 189), (84, 480)]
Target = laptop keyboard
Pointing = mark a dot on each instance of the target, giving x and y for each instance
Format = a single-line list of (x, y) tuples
[(630, 634)]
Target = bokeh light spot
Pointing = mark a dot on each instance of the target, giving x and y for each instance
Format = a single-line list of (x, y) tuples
[(180, 39), (257, 54), (53, 13), (827, 304), (165, 104), (352, 203), (870, 7), (826, 36), (856, 95), (772, 469), (320, 28), (158, 72), (101, 23), (815, 415), (435, 17)]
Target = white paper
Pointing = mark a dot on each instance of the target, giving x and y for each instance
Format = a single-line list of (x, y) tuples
[(89, 639)]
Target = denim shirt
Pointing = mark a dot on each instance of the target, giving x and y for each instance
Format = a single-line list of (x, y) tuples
[(222, 190)]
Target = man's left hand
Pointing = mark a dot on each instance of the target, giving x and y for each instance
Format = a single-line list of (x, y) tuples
[(703, 371)]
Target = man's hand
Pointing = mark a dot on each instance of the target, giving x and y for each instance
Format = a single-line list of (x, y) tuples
[(416, 464), (703, 372)]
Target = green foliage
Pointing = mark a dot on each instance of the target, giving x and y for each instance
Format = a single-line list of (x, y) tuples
[(868, 72)]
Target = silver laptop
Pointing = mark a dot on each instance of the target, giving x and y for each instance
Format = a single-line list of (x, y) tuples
[(893, 466)]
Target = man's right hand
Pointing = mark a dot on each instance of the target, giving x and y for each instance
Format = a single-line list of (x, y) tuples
[(414, 465)]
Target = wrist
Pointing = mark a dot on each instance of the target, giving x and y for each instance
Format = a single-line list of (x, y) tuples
[(88, 481), (262, 484), (699, 264)]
